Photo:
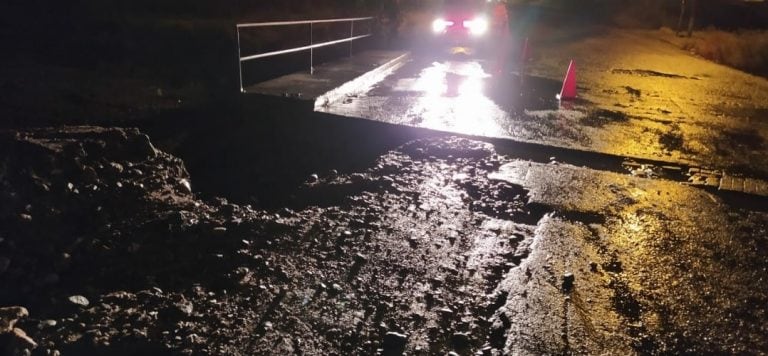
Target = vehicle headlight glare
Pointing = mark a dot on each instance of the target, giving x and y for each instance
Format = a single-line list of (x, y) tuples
[(477, 26), (440, 25)]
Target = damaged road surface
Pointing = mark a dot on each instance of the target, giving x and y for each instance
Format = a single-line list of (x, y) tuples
[(638, 96), (441, 246)]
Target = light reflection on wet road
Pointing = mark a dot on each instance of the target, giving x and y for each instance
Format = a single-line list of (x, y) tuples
[(454, 100), (456, 95), (466, 95)]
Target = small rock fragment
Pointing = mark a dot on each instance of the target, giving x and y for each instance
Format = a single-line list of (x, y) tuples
[(185, 308), (79, 300), (49, 323), (116, 167), (357, 177), (25, 340), (185, 185), (9, 316), (192, 339), (336, 288)]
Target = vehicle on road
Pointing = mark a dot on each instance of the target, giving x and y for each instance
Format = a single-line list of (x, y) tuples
[(469, 25)]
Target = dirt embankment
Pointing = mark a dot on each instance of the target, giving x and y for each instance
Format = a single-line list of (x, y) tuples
[(746, 50)]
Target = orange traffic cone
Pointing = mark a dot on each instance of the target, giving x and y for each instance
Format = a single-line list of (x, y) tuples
[(568, 92)]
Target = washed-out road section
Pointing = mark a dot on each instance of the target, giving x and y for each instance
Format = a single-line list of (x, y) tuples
[(441, 245)]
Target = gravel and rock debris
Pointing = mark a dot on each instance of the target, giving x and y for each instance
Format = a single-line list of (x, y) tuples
[(104, 249)]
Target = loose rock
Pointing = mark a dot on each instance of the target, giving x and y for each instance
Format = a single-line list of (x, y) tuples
[(79, 300), (9, 316)]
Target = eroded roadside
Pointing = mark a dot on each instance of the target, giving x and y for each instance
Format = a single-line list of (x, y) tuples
[(440, 246)]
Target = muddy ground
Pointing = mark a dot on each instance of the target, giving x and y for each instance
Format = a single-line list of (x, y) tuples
[(439, 246)]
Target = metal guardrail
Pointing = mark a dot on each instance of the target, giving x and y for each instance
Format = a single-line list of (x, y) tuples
[(311, 47)]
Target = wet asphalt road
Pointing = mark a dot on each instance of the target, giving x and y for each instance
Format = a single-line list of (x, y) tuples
[(472, 95), (456, 93), (654, 102)]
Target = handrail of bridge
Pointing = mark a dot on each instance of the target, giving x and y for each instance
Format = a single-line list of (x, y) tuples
[(309, 47)]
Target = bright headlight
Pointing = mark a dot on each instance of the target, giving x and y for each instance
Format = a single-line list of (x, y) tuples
[(477, 26), (440, 25)]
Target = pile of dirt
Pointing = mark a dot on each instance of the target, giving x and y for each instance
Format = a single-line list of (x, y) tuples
[(85, 211)]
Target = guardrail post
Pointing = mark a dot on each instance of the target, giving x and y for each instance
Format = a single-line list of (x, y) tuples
[(311, 50), (239, 62), (351, 34)]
